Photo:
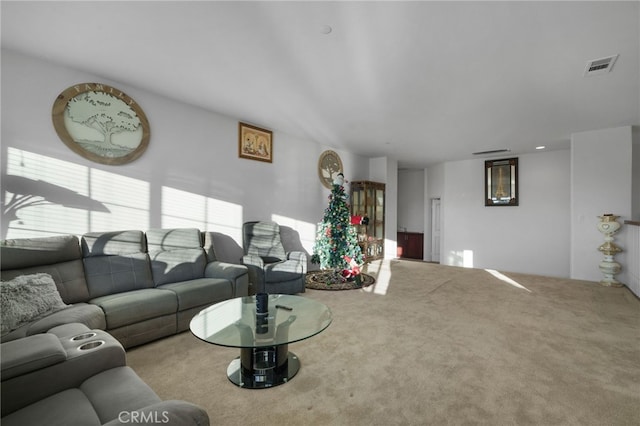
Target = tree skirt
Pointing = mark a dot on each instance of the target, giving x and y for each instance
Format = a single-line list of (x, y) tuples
[(331, 280)]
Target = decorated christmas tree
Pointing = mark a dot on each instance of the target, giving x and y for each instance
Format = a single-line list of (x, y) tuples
[(336, 245)]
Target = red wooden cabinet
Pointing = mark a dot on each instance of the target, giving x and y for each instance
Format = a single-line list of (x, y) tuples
[(411, 245)]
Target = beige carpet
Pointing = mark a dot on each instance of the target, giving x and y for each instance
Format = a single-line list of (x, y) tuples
[(433, 345)]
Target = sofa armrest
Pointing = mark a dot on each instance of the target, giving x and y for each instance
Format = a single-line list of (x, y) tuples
[(253, 260), (30, 354), (299, 256), (80, 359), (237, 274), (172, 412)]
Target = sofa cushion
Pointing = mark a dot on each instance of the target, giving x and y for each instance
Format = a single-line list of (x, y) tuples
[(115, 274), (69, 330), (200, 292), (142, 332), (117, 390), (112, 243), (84, 313), (27, 298), (171, 412), (115, 262), (177, 265), (70, 407), (27, 252), (172, 239), (176, 255), (58, 256), (68, 276), (263, 239), (137, 305), (31, 353)]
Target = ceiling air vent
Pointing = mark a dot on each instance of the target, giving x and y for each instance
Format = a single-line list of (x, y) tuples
[(493, 151), (600, 66)]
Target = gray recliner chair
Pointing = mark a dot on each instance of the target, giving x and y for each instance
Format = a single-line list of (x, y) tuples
[(271, 269)]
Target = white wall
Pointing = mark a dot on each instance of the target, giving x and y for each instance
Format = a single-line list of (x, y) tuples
[(411, 201), (601, 182), (530, 238), (189, 176), (539, 231)]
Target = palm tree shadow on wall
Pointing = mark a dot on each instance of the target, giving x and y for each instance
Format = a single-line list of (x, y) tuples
[(19, 192)]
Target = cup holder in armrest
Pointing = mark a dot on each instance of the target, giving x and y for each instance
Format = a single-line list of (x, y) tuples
[(91, 345), (83, 336)]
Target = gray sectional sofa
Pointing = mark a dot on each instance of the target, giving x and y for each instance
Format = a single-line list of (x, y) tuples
[(70, 307), (137, 286)]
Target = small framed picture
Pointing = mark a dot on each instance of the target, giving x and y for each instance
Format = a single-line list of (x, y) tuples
[(255, 143)]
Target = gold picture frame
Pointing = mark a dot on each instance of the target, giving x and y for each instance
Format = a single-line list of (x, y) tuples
[(101, 123), (501, 182), (255, 143)]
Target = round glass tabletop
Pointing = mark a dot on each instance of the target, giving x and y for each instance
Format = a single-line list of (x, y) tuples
[(236, 323)]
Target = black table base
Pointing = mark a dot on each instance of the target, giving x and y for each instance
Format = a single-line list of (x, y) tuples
[(264, 367)]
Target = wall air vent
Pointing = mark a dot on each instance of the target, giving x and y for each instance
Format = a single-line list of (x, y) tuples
[(493, 151), (600, 66)]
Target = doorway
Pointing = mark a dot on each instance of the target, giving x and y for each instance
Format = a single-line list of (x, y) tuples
[(435, 230)]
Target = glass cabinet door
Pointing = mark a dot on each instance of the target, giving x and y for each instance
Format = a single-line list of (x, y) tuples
[(370, 207), (379, 214), (367, 199)]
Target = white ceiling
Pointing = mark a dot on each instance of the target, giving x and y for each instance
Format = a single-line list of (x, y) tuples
[(419, 81)]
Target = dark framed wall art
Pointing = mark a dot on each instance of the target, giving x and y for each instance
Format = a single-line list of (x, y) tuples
[(501, 182)]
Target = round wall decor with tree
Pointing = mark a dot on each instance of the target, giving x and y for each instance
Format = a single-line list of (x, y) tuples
[(329, 165), (101, 123)]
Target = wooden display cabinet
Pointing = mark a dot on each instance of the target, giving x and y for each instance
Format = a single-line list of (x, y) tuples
[(367, 199)]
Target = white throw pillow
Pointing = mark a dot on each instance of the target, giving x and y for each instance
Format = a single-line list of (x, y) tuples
[(26, 298)]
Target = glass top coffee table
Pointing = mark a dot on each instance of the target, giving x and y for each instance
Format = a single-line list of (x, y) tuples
[(263, 339)]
